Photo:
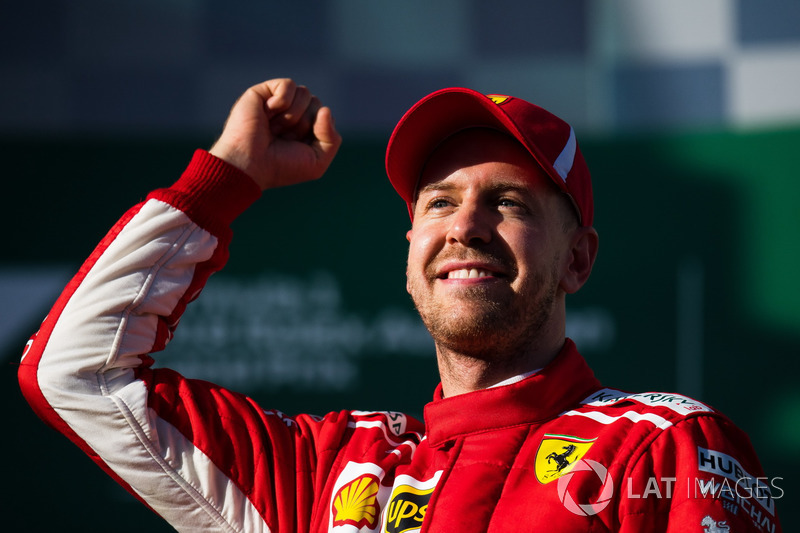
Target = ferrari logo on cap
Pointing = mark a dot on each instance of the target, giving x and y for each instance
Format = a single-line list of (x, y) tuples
[(498, 98), (557, 455)]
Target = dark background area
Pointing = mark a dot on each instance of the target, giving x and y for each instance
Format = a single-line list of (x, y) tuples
[(686, 111), (66, 192)]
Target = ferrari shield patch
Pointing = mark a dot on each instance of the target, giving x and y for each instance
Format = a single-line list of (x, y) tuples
[(557, 455)]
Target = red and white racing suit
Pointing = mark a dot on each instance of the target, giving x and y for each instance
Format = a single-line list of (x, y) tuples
[(555, 451)]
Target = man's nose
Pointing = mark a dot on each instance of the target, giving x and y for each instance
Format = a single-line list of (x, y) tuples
[(470, 225)]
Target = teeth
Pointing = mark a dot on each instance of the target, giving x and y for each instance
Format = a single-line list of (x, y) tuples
[(468, 273)]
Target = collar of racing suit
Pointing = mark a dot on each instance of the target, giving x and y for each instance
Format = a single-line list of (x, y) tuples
[(557, 387)]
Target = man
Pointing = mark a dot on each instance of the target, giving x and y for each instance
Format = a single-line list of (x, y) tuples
[(520, 435)]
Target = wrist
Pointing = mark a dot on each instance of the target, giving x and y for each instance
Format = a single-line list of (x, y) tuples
[(211, 191)]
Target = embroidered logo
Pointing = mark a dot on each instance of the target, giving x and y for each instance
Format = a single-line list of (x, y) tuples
[(498, 98), (558, 454), (712, 526), (356, 503), (408, 503), (736, 478), (407, 508)]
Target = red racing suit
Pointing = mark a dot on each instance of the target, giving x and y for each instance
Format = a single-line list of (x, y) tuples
[(555, 451)]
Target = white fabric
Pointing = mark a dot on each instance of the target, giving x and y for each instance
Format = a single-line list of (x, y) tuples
[(563, 163)]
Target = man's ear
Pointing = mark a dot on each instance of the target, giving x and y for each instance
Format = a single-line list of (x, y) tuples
[(580, 260), (408, 238)]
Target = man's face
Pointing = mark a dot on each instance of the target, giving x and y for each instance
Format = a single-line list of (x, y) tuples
[(487, 246)]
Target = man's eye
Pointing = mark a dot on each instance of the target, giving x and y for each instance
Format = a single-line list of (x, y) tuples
[(512, 205), (438, 203)]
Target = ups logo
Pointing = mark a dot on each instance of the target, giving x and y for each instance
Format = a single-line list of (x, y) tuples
[(407, 508)]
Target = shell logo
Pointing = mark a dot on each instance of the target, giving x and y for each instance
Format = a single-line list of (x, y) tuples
[(356, 503)]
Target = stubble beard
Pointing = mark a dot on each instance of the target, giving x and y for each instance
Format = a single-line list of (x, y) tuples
[(485, 326)]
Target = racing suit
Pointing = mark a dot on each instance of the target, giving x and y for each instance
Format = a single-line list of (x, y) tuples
[(554, 451)]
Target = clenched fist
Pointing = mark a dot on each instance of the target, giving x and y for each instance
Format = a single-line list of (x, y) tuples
[(279, 134)]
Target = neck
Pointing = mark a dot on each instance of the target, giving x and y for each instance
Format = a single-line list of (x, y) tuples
[(461, 373)]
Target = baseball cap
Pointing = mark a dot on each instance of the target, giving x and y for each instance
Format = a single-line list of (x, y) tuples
[(549, 140)]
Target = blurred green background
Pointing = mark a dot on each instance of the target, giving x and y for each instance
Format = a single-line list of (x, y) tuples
[(687, 113)]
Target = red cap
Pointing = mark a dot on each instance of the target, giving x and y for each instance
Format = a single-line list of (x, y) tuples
[(550, 140)]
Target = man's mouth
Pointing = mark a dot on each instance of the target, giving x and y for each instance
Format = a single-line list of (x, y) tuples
[(469, 273), (470, 270)]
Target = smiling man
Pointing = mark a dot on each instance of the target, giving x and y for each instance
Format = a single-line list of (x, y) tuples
[(494, 248), (520, 435)]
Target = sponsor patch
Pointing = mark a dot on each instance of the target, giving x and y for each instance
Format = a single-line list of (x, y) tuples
[(407, 508), (408, 504), (356, 503), (712, 526), (358, 499), (680, 404), (397, 422), (557, 455), (743, 482)]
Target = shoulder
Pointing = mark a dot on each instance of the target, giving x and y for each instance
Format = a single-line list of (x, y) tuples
[(673, 433), (638, 414), (639, 422), (685, 459), (676, 457)]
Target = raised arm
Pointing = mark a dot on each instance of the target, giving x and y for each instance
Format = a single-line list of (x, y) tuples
[(190, 450)]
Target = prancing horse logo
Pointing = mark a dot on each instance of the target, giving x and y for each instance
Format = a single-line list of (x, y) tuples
[(561, 458), (557, 455)]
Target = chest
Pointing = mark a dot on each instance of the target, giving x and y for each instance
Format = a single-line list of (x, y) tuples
[(517, 479)]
